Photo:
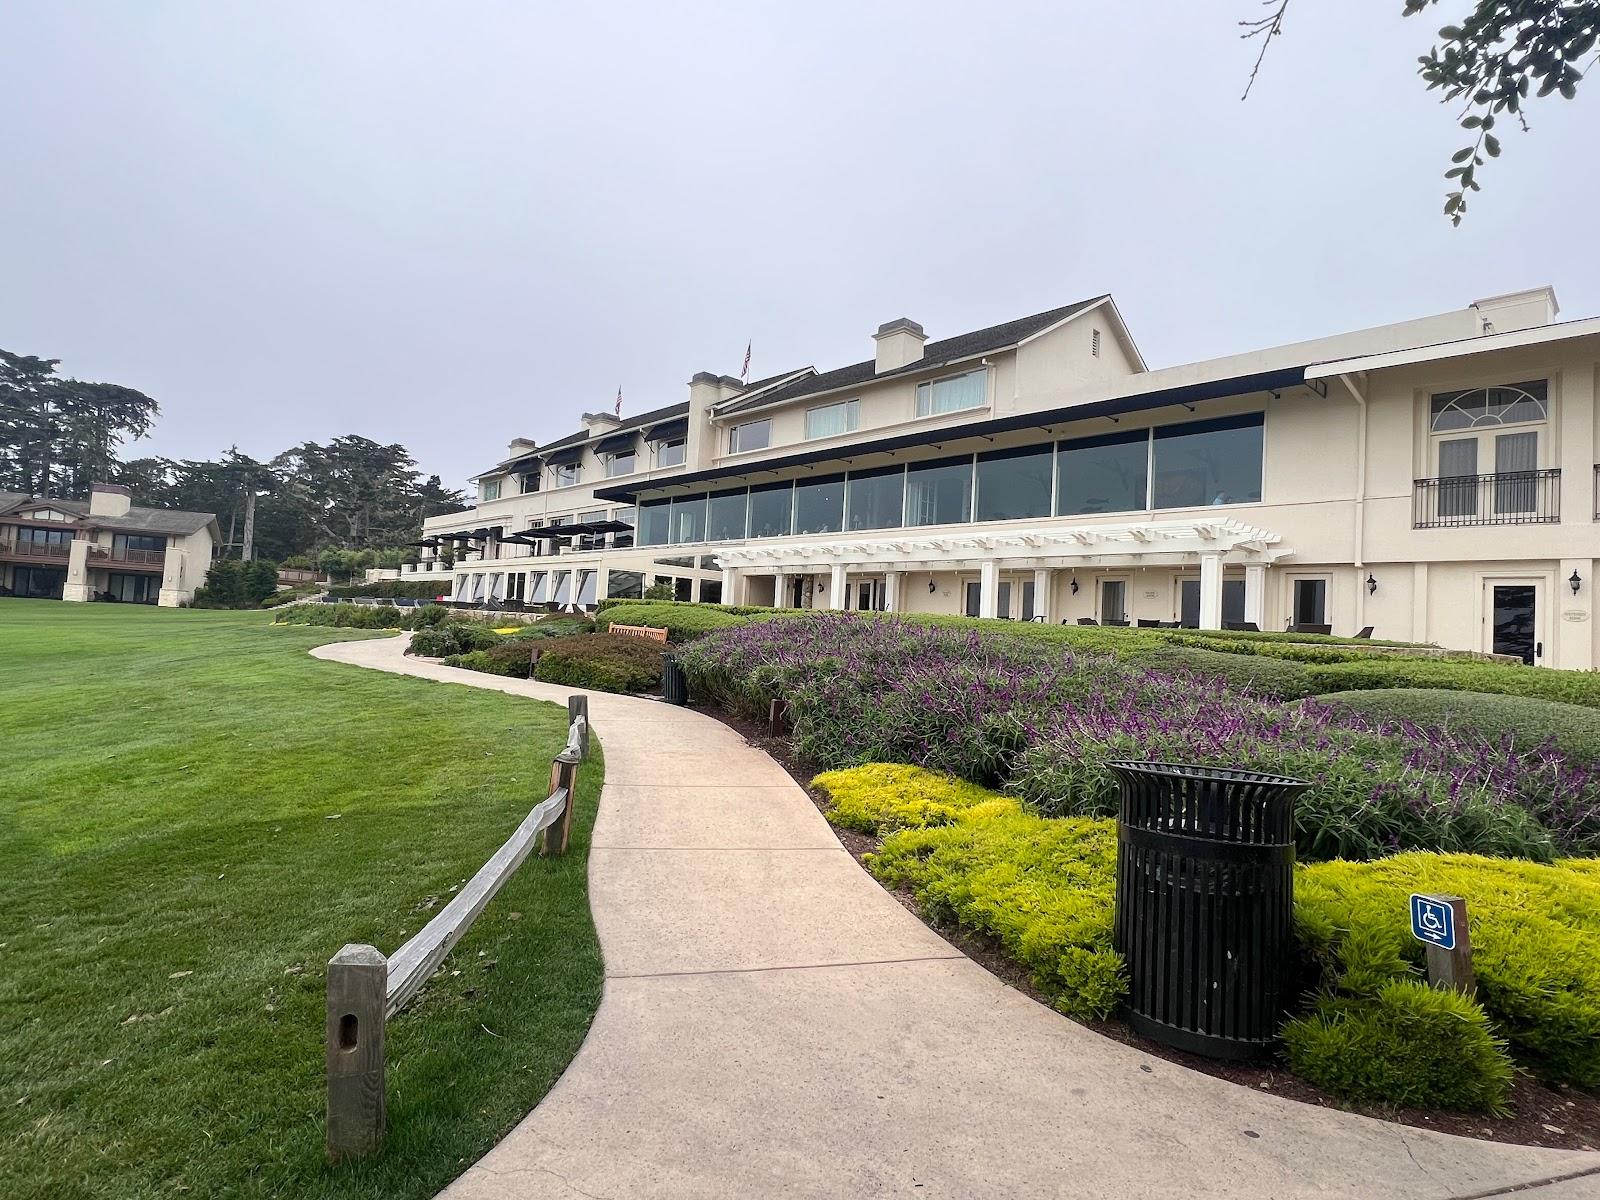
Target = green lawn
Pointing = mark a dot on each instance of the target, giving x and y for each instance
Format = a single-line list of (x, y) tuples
[(194, 815)]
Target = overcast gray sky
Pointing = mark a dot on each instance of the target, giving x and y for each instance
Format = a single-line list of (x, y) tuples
[(446, 224)]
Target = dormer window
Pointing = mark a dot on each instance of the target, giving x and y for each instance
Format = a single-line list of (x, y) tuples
[(954, 394), (752, 435), (488, 489)]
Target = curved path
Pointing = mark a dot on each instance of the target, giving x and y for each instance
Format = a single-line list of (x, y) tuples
[(774, 1023)]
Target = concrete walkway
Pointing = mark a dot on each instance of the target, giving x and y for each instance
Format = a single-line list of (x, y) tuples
[(774, 1024)]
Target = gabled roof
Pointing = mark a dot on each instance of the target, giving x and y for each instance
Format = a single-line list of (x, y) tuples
[(138, 520), (583, 435), (934, 355)]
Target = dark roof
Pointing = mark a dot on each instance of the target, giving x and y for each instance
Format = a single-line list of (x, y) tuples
[(1185, 394), (934, 355), (138, 520), (583, 435)]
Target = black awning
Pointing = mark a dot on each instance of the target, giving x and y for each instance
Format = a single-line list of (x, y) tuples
[(609, 527), (668, 431), (563, 456), (617, 443)]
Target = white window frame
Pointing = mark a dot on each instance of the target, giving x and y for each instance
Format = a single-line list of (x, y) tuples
[(611, 464), (930, 384), (736, 436), (489, 489), (852, 418), (558, 474), (679, 444)]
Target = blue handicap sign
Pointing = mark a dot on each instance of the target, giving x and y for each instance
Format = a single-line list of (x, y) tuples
[(1433, 921)]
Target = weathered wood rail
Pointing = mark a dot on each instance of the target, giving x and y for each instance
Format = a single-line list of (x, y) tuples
[(365, 988)]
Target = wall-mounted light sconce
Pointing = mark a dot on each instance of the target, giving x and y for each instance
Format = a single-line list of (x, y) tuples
[(1074, 585), (932, 586), (1576, 581), (1372, 584)]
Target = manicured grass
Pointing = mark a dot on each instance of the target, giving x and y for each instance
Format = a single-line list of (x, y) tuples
[(194, 815)]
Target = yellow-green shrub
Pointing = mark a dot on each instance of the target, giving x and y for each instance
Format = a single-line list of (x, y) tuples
[(1535, 943), (882, 797), (1407, 1044)]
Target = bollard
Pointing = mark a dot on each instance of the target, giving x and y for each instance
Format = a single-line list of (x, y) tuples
[(563, 774), (358, 985), (778, 718), (578, 706)]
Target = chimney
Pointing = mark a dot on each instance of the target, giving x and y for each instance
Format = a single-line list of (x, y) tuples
[(109, 500), (705, 390), (1517, 310), (899, 343), (521, 446), (728, 386), (594, 423)]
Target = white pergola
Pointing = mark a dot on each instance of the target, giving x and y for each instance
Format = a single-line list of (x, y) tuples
[(1210, 544)]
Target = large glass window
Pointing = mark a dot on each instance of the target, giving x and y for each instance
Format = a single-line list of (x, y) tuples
[(725, 518), (530, 481), (939, 493), (627, 516), (670, 454), (772, 510), (1208, 462), (688, 519), (134, 589), (624, 585), (953, 395), (875, 499), (1014, 483), (654, 522), (752, 435), (563, 591), (819, 505), (587, 582), (830, 420), (1103, 474), (136, 541)]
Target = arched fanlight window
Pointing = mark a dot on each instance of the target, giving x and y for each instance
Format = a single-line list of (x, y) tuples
[(1510, 404)]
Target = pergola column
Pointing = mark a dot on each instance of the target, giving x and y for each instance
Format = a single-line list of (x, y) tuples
[(838, 581), (1041, 596), (1255, 593), (1211, 591), (989, 588), (730, 581), (891, 591)]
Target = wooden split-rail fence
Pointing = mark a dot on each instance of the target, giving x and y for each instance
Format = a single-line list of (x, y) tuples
[(365, 988)]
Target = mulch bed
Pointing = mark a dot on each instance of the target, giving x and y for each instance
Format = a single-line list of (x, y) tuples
[(1552, 1115)]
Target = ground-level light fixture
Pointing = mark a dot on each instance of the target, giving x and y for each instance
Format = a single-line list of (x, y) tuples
[(1372, 584), (1576, 581)]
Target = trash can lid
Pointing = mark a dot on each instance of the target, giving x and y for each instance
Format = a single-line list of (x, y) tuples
[(1204, 771)]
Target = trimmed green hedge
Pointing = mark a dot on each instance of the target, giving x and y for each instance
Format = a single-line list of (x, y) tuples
[(683, 622), (1455, 674), (1528, 722), (605, 662), (404, 589), (1273, 678)]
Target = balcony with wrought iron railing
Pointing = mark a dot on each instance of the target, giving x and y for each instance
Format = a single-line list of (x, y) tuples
[(1503, 498)]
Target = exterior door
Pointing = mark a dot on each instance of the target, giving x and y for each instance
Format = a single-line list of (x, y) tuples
[(1514, 619), (973, 593), (1003, 600), (1113, 602)]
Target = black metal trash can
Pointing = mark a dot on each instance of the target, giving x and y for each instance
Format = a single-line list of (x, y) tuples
[(1205, 896), (674, 684)]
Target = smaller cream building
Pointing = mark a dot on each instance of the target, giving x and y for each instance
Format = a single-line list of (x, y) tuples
[(1432, 479), (103, 547)]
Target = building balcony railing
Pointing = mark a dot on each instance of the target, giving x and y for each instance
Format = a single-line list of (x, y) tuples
[(1504, 498), (37, 549), (144, 558)]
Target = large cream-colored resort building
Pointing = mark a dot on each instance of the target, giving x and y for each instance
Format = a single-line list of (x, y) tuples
[(1433, 479), (102, 548)]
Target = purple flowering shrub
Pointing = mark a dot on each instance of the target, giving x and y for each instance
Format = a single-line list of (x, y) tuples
[(1042, 721)]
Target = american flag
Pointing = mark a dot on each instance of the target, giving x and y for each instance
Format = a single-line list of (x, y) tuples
[(745, 374), (619, 401)]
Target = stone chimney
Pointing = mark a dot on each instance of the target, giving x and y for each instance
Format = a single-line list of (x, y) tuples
[(1517, 310), (594, 423), (899, 343), (109, 500)]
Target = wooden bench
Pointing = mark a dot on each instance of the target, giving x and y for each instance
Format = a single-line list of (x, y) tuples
[(648, 632)]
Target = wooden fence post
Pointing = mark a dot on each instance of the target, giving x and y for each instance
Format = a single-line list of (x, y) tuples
[(1452, 969), (358, 985), (563, 774), (578, 706)]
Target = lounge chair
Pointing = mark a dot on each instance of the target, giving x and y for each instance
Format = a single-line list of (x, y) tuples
[(1365, 633), (1144, 624), (1087, 621), (1311, 629)]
